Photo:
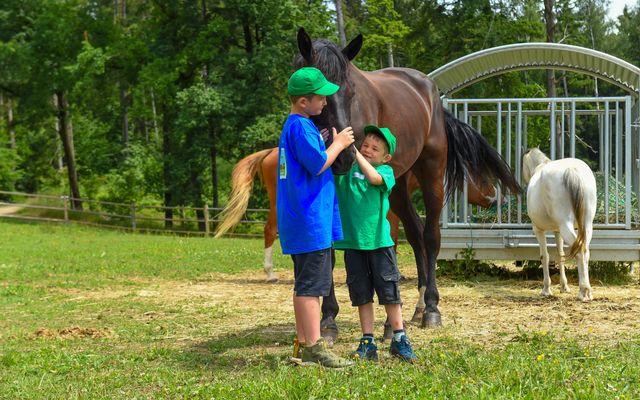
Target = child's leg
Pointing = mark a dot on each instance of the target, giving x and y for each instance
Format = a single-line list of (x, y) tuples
[(307, 312), (394, 313), (367, 318)]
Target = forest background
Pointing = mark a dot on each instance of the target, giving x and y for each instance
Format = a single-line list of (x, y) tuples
[(153, 101)]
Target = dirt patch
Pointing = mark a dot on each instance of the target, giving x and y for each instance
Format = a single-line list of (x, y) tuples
[(492, 313), (72, 333)]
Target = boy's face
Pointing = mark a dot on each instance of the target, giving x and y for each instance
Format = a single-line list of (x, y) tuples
[(313, 106), (374, 150)]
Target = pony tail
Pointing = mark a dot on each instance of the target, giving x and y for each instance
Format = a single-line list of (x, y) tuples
[(242, 178), (572, 182)]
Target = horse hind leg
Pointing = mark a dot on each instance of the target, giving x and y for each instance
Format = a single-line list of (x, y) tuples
[(404, 209), (270, 232), (564, 286), (582, 258)]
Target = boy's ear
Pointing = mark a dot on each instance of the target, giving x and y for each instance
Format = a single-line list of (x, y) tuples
[(352, 49), (386, 158), (305, 46)]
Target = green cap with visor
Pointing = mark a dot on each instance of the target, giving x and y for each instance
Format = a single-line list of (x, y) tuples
[(385, 133), (309, 80)]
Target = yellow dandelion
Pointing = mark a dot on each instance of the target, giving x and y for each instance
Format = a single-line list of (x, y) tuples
[(540, 357)]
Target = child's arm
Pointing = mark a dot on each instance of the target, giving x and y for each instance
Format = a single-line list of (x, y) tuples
[(341, 141), (369, 172)]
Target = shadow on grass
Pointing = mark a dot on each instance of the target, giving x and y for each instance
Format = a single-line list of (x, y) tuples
[(266, 346)]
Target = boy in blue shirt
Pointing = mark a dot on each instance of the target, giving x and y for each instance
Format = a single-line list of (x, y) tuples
[(370, 260), (307, 208)]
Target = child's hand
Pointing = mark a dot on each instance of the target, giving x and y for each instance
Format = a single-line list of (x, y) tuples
[(345, 137), (325, 134)]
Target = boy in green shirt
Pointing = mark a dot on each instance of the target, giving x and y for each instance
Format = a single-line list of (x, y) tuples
[(363, 197)]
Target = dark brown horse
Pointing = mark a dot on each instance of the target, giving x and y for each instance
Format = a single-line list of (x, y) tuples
[(431, 143)]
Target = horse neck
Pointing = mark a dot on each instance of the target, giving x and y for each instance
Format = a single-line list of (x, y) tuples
[(364, 111)]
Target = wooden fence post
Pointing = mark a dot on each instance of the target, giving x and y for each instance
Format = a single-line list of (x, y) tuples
[(206, 220), (65, 200), (133, 216)]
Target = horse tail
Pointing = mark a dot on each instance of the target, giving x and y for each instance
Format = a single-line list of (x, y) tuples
[(470, 153), (573, 183), (242, 178)]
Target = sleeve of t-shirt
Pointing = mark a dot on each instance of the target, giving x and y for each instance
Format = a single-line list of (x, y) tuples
[(386, 172), (307, 150)]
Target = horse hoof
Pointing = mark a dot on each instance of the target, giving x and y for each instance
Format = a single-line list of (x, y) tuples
[(431, 320), (417, 314), (329, 330), (272, 277), (388, 332)]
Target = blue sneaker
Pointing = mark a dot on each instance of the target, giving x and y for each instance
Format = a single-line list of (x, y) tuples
[(402, 349), (367, 350)]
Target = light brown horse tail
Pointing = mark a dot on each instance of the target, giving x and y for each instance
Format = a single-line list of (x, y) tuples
[(242, 178), (572, 181)]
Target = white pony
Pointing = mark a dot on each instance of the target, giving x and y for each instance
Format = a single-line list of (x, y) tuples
[(561, 195)]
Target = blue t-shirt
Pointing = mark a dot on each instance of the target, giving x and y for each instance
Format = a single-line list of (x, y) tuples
[(306, 203)]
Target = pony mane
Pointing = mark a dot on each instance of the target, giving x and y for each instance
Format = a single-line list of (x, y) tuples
[(328, 58)]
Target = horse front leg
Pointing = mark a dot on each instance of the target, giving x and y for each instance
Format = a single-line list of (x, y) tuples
[(544, 258), (330, 309)]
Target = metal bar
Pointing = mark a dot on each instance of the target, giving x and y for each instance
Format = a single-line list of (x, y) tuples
[(627, 163), (606, 162), (499, 148), (519, 156), (552, 129), (572, 129)]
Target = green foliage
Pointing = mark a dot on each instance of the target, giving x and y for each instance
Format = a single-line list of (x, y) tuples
[(465, 267)]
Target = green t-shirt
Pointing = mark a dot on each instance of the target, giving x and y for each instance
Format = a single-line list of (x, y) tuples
[(363, 209)]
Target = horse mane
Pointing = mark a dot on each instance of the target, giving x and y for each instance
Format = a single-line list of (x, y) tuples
[(328, 58)]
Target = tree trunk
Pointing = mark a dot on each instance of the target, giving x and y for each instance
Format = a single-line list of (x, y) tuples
[(340, 19), (124, 115), (65, 131), (390, 54), (214, 168), (166, 152), (550, 24), (155, 117)]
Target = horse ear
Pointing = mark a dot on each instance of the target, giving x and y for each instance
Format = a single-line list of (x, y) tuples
[(305, 46), (352, 49)]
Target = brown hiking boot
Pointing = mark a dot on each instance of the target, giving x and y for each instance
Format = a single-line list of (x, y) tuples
[(320, 354)]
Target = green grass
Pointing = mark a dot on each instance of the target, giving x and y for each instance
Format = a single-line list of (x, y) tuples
[(54, 277)]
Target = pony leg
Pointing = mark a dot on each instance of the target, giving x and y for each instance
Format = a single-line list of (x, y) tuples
[(330, 309), (544, 258), (270, 232), (582, 258), (564, 286), (401, 204), (585, 293)]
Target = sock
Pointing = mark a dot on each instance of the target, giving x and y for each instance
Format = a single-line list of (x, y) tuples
[(397, 335), (368, 336)]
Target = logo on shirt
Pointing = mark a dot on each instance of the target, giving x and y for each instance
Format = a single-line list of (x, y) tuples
[(283, 164), (358, 175)]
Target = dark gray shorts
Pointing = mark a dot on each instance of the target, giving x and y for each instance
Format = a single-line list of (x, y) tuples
[(369, 270), (312, 272)]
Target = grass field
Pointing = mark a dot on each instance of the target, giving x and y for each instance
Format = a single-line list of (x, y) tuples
[(86, 313)]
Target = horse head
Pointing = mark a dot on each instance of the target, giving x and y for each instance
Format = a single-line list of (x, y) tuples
[(334, 64), (531, 159)]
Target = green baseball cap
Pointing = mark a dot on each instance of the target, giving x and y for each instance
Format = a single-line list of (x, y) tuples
[(385, 133), (310, 80)]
